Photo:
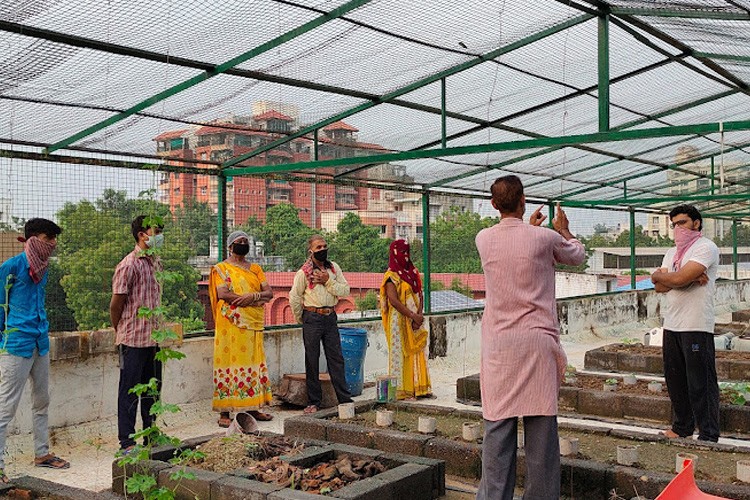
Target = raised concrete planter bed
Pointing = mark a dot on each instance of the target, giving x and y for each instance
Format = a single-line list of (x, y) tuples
[(730, 365), (590, 478), (415, 478)]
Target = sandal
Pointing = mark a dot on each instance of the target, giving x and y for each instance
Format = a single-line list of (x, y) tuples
[(51, 461), (260, 416), (311, 409)]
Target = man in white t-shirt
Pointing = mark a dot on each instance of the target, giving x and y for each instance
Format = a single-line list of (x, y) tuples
[(688, 277)]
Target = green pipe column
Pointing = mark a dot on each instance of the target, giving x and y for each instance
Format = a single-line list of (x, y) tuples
[(603, 72), (443, 119), (734, 247), (632, 248), (315, 145), (426, 250), (221, 215), (713, 175), (551, 208)]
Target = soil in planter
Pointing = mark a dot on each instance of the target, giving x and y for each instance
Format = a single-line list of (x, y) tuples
[(448, 426), (321, 478), (225, 454), (659, 456), (656, 351), (595, 382)]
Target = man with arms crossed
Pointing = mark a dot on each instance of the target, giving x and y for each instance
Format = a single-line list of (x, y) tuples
[(688, 277)]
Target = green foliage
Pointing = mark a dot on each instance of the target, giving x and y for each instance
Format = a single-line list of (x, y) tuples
[(283, 234), (452, 241), (623, 240), (743, 237), (367, 303), (59, 315), (198, 222), (89, 252), (458, 286), (357, 247), (611, 381), (738, 392), (436, 286), (638, 272)]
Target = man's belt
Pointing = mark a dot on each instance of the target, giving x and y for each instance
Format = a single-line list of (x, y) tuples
[(325, 311)]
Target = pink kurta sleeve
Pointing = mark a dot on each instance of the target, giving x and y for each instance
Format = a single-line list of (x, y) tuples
[(570, 252)]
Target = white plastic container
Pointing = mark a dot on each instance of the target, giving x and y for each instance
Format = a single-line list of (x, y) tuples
[(654, 337), (609, 387), (655, 386), (629, 379), (743, 470), (427, 425), (346, 411), (627, 455), (680, 460), (384, 418), (471, 431), (568, 446)]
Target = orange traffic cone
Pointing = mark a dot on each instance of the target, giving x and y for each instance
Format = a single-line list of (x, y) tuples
[(683, 486)]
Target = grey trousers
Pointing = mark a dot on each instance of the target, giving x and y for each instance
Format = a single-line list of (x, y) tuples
[(542, 450), (14, 371)]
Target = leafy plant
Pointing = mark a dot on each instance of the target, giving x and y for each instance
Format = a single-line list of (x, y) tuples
[(570, 369), (629, 341), (141, 482), (737, 392), (611, 381)]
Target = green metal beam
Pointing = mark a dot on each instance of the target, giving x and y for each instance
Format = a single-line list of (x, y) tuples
[(603, 72), (633, 123), (222, 216), (221, 68), (426, 252), (688, 14), (413, 86), (724, 57), (651, 201), (571, 140), (644, 174), (632, 249)]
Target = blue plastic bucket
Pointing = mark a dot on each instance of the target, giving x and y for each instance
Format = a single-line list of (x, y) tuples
[(354, 345)]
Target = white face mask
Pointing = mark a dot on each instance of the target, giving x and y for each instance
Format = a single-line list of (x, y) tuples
[(156, 241)]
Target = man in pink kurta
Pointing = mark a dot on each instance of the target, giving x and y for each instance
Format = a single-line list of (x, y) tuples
[(522, 360)]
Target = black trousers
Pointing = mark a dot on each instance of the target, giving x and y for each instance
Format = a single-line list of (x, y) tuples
[(542, 449), (317, 328), (137, 366), (690, 373)]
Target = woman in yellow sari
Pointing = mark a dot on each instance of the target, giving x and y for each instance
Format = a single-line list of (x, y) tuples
[(238, 291), (401, 302)]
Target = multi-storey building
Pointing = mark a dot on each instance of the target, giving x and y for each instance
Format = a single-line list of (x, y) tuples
[(320, 205)]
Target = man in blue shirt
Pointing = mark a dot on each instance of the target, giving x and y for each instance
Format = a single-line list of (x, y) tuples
[(24, 334)]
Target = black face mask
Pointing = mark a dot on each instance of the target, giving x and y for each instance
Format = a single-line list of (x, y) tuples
[(321, 255), (241, 249)]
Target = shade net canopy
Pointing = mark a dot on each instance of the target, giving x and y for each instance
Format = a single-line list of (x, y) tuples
[(594, 103)]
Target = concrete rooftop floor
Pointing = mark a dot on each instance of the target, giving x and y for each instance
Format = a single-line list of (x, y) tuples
[(91, 447)]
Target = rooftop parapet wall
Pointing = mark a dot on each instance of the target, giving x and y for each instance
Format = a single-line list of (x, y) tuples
[(84, 368)]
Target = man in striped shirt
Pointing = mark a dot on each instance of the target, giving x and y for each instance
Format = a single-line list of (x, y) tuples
[(522, 361), (134, 285)]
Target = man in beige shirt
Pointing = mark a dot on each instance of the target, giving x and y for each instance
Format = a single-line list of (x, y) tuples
[(317, 287)]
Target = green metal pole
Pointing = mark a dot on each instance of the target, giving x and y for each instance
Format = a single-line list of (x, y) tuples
[(551, 209), (734, 247), (221, 216), (603, 71), (625, 190), (443, 120), (713, 175), (632, 248), (426, 250), (315, 144)]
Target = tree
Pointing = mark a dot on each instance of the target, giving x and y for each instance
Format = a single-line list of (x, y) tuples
[(284, 234), (96, 236), (198, 223), (453, 249), (359, 248), (369, 302), (59, 315)]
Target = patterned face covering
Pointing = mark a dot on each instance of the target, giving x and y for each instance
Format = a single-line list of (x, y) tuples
[(38, 252), (399, 261), (684, 238)]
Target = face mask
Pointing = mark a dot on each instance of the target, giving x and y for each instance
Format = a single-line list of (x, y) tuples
[(156, 241), (241, 249), (321, 255)]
